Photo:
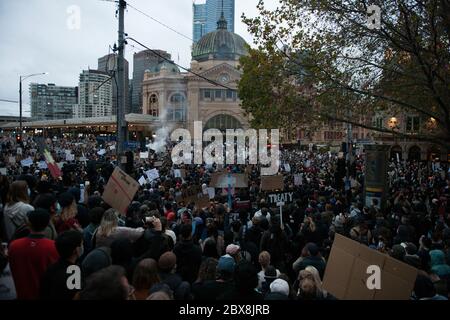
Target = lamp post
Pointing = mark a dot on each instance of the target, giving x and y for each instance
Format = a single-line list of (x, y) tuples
[(22, 78)]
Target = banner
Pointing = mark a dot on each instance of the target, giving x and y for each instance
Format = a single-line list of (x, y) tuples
[(120, 190)]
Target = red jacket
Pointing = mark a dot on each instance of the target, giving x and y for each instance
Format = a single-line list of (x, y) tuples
[(29, 258)]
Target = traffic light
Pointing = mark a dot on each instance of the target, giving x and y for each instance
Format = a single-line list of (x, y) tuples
[(19, 138)]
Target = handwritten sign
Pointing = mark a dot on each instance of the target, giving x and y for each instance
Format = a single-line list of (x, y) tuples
[(152, 174), (120, 190), (285, 197)]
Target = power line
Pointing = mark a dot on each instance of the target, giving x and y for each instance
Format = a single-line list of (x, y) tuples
[(6, 100), (161, 23), (181, 67)]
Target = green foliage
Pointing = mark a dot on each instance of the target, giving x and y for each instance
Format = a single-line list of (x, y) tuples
[(317, 59)]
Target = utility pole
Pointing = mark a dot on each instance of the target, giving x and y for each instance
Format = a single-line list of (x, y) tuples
[(122, 128), (20, 106)]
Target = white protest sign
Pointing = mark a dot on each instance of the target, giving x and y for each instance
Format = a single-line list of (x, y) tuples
[(42, 165), (3, 171), (287, 167), (19, 150), (101, 152), (177, 173), (12, 160), (143, 155), (70, 157), (307, 163), (152, 174), (142, 180), (113, 147), (26, 162), (211, 192), (298, 180), (67, 151)]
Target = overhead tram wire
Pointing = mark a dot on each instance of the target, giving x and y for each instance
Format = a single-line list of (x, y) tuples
[(180, 66), (159, 22)]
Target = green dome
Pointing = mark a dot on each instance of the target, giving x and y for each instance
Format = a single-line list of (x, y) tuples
[(169, 66), (221, 44)]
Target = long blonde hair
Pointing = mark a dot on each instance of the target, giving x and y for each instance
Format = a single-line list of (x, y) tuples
[(69, 212), (109, 223), (317, 280)]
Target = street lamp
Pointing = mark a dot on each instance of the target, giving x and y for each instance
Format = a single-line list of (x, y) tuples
[(22, 78)]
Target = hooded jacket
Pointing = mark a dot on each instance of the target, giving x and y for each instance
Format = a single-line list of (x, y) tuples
[(438, 264), (15, 215)]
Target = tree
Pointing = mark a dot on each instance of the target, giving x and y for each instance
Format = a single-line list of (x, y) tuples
[(323, 59)]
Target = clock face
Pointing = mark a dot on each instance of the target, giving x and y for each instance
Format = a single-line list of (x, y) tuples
[(224, 78)]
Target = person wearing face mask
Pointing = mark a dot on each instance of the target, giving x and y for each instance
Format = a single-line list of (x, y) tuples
[(53, 286)]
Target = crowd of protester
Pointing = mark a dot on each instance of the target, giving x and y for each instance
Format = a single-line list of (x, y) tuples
[(165, 248)]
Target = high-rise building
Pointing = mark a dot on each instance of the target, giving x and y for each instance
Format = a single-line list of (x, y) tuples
[(199, 22), (206, 15), (49, 101), (143, 60), (108, 64), (95, 95)]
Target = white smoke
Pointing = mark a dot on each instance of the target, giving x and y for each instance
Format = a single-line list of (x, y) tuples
[(162, 135)]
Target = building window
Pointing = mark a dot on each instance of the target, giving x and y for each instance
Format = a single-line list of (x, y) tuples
[(378, 123), (412, 124), (218, 94), (229, 94), (153, 106), (207, 94)]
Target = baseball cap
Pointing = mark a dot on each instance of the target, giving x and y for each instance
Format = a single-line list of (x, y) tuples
[(226, 264)]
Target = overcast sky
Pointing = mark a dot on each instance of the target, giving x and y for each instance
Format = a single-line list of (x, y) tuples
[(35, 37)]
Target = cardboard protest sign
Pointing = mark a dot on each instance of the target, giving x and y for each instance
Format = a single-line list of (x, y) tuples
[(120, 190), (26, 162), (286, 197), (272, 183), (200, 201), (235, 180), (349, 268)]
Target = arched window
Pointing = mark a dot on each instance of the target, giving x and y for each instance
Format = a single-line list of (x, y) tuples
[(153, 108), (223, 122)]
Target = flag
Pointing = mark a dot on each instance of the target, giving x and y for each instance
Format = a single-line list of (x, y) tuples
[(52, 166)]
